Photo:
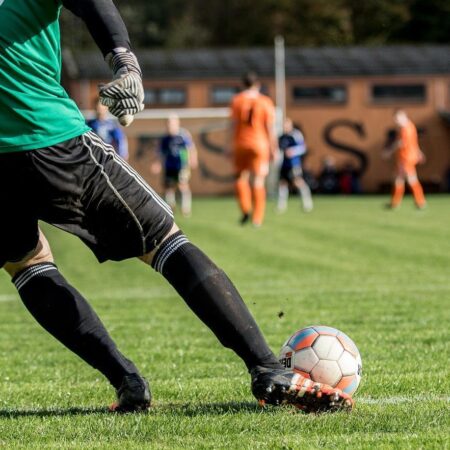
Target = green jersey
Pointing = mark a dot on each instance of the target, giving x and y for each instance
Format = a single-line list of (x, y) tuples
[(35, 110)]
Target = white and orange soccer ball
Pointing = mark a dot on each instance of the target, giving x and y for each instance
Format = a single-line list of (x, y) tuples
[(324, 354)]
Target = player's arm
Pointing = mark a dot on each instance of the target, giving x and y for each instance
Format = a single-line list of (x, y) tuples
[(402, 138), (192, 150), (299, 148), (125, 94)]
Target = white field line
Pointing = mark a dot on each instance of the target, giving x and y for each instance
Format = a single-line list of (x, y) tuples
[(402, 400), (8, 298)]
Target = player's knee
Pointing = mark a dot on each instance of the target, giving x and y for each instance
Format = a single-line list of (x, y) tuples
[(243, 176), (412, 179), (148, 257), (259, 181), (42, 253)]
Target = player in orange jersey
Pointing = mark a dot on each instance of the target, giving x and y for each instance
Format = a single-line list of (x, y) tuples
[(408, 155), (254, 145)]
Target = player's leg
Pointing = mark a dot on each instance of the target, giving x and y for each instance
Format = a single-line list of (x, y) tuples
[(260, 169), (62, 311), (126, 218), (170, 197), (283, 195), (398, 190), (304, 190), (211, 295), (170, 185), (242, 184), (244, 195), (185, 193), (186, 199), (416, 187)]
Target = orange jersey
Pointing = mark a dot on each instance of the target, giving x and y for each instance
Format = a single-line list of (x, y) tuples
[(408, 151), (252, 114)]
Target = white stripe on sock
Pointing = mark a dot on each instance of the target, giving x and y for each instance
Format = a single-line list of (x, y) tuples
[(166, 257), (169, 250), (30, 273)]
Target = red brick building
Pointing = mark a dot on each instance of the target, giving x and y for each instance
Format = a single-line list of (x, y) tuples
[(342, 98)]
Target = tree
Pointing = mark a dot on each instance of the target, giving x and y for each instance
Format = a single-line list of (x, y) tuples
[(429, 21), (219, 23)]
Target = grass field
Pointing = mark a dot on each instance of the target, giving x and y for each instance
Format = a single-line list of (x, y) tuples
[(383, 277)]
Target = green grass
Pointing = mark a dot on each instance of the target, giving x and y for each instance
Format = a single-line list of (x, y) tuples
[(383, 277)]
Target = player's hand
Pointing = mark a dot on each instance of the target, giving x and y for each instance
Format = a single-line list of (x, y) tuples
[(422, 159), (124, 96), (156, 168), (273, 154)]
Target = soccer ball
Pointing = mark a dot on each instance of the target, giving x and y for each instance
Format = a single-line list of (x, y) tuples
[(325, 355)]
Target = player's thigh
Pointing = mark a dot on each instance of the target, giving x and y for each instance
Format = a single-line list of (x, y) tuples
[(252, 160), (260, 166), (240, 161), (19, 238), (184, 177), (19, 233), (410, 173), (402, 169), (170, 179), (41, 253), (97, 196)]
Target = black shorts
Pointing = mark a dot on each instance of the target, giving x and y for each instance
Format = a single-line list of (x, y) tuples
[(82, 187), (289, 174), (173, 177)]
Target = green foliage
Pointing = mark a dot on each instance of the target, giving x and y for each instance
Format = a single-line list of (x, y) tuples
[(380, 276), (176, 23)]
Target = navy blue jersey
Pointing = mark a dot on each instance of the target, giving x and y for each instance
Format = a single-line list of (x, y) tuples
[(110, 131), (174, 150), (293, 146)]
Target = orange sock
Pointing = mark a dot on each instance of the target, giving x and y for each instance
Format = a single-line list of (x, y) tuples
[(417, 191), (397, 194), (244, 196), (259, 199)]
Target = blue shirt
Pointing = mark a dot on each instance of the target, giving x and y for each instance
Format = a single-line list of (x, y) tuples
[(295, 142), (110, 131), (174, 150)]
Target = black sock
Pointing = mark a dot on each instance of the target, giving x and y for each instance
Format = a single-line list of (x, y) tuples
[(65, 314), (214, 299)]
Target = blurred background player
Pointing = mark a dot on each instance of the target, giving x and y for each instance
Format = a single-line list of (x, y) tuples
[(408, 155), (254, 145), (179, 155), (109, 130), (293, 147)]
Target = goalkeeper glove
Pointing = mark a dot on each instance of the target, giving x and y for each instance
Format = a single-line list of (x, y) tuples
[(124, 96)]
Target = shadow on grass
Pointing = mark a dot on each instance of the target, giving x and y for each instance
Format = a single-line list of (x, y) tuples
[(176, 409), (208, 409), (15, 413)]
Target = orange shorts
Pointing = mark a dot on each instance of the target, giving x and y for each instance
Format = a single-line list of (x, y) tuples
[(256, 162)]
